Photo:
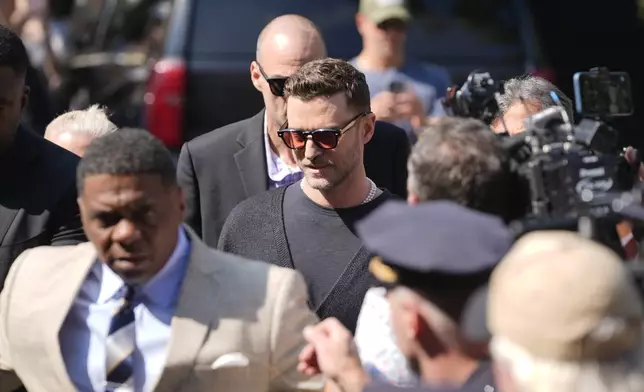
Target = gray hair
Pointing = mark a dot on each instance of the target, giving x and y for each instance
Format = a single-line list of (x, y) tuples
[(535, 374), (461, 160), (92, 121), (532, 90)]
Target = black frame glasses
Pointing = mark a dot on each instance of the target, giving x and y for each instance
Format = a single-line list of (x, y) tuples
[(276, 84), (323, 138)]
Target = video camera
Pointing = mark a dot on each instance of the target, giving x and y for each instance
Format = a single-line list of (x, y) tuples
[(573, 170), (576, 174), (475, 98)]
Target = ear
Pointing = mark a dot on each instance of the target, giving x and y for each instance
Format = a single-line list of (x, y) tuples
[(360, 23), (182, 201), (24, 101), (81, 205), (503, 377), (497, 125), (256, 76), (410, 319), (416, 323), (369, 127)]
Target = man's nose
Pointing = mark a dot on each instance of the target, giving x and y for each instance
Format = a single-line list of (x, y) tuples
[(311, 150), (126, 232)]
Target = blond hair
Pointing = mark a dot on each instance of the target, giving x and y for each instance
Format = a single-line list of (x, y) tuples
[(535, 374), (92, 121)]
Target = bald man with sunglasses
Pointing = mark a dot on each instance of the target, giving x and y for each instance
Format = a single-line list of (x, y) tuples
[(309, 225), (220, 169)]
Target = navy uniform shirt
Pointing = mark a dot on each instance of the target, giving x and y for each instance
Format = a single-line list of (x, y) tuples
[(482, 380)]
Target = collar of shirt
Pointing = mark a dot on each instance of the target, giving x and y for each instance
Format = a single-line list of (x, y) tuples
[(277, 169), (162, 289)]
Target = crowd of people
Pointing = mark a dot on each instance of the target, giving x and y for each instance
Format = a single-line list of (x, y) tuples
[(349, 237)]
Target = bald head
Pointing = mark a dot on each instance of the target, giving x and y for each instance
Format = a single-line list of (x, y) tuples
[(293, 37), (283, 47)]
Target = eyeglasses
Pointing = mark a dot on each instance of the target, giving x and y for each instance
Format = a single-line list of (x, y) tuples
[(324, 138), (276, 84)]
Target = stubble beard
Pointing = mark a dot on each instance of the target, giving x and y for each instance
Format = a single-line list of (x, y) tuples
[(321, 183), (336, 178)]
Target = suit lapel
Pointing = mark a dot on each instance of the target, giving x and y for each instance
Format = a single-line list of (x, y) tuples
[(7, 215), (60, 303), (251, 160), (193, 319)]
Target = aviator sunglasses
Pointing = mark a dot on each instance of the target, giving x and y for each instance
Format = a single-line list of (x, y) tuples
[(324, 138), (276, 84)]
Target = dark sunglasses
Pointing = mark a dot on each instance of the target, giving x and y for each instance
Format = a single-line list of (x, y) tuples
[(324, 138), (276, 84)]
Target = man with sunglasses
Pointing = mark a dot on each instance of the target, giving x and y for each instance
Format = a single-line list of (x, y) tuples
[(309, 225), (222, 168), (403, 91)]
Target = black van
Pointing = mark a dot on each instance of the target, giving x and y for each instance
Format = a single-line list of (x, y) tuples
[(197, 78)]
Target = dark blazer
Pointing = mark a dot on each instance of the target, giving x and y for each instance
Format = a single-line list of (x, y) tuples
[(220, 169), (37, 198)]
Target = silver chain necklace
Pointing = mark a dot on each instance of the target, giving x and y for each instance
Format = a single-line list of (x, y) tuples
[(374, 191)]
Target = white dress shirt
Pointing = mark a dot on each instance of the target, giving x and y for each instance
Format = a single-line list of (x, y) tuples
[(279, 173), (85, 330), (376, 343)]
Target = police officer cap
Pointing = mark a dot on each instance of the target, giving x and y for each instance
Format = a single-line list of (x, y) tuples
[(442, 250), (432, 238)]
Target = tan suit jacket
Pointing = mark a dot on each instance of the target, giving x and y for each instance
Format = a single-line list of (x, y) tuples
[(237, 327)]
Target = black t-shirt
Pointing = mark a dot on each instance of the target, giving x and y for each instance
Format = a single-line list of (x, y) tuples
[(322, 240), (482, 380)]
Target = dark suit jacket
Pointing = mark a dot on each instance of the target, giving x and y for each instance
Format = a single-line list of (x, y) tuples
[(228, 165), (37, 198)]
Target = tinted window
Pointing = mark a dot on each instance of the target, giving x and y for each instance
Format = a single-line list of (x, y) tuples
[(460, 34), (99, 25), (465, 34), (129, 21), (230, 27)]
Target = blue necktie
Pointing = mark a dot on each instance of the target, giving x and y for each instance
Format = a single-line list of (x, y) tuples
[(121, 341)]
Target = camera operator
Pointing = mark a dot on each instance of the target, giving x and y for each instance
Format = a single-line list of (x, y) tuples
[(524, 97), (456, 159)]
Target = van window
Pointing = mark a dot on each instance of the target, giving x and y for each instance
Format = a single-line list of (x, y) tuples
[(229, 28), (459, 34), (465, 34)]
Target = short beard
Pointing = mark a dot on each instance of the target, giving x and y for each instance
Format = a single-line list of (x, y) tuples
[(324, 184)]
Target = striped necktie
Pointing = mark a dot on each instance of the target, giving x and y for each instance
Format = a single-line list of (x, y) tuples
[(121, 341)]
